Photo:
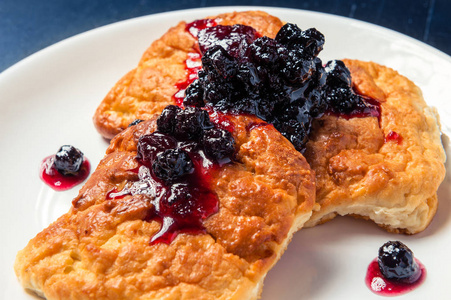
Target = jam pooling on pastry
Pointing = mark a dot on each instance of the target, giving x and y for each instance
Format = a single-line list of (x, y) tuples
[(395, 271), (177, 165), (281, 80), (65, 169), (394, 136)]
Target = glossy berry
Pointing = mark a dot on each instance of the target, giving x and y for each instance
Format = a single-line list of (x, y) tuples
[(337, 74), (68, 160), (218, 143), (180, 192), (135, 122), (166, 121), (191, 122), (396, 262), (152, 144), (281, 80), (194, 95), (172, 164)]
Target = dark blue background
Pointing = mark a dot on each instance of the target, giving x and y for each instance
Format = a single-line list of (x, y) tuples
[(27, 26)]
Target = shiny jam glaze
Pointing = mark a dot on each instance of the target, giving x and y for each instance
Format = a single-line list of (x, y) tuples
[(180, 186), (193, 63), (59, 182), (393, 136), (380, 285), (179, 207), (196, 26), (368, 108), (280, 80)]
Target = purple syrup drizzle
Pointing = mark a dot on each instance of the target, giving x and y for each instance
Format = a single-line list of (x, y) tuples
[(380, 285)]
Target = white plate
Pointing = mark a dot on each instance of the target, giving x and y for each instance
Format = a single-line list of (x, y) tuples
[(48, 100)]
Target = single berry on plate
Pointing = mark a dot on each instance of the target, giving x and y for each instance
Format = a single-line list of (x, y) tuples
[(396, 262), (68, 160), (172, 164), (218, 143)]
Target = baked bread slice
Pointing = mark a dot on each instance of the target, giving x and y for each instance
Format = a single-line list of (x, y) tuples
[(386, 169), (150, 87), (101, 248)]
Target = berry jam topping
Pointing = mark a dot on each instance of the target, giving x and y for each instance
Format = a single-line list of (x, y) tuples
[(395, 271), (281, 80), (196, 26), (177, 165), (235, 40), (65, 169)]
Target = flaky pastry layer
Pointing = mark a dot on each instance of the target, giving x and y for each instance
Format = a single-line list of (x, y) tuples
[(361, 171), (358, 171)]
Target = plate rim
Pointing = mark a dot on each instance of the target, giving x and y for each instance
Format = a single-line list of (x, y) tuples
[(131, 21)]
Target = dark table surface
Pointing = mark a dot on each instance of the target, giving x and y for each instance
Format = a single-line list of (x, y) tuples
[(27, 26)]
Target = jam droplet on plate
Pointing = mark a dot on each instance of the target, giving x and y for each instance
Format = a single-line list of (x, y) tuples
[(395, 271), (380, 285), (59, 182)]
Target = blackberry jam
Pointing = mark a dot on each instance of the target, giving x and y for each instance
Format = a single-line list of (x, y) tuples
[(395, 271), (281, 80), (176, 171), (65, 169)]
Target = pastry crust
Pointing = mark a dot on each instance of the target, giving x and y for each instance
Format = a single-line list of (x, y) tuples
[(149, 87), (360, 171), (100, 249)]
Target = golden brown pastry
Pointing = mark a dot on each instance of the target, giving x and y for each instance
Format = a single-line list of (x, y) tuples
[(100, 249), (150, 87), (386, 170)]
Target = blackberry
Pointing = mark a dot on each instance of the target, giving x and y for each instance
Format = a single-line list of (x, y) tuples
[(68, 160), (309, 42), (152, 144), (312, 42), (191, 122), (234, 39), (166, 121), (172, 164), (263, 51), (194, 95), (135, 122), (281, 80), (289, 35), (218, 143), (218, 60), (180, 192), (337, 74), (396, 262)]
